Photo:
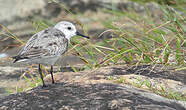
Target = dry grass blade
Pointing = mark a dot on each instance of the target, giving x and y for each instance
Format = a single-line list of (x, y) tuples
[(110, 58), (158, 27), (12, 35)]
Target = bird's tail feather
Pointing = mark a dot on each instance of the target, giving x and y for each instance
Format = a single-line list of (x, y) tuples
[(17, 58)]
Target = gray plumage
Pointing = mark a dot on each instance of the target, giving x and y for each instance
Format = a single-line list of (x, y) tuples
[(44, 47)]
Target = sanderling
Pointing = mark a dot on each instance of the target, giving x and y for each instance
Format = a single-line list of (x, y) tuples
[(46, 46)]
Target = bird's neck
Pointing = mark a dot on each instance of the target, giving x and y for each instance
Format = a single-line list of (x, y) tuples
[(67, 34)]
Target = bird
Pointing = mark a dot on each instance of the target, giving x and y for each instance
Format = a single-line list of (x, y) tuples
[(47, 46)]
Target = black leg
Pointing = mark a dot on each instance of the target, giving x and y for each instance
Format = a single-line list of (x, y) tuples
[(40, 72), (51, 72)]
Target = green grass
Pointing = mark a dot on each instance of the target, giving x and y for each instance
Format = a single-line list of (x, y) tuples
[(121, 80), (147, 85), (151, 43)]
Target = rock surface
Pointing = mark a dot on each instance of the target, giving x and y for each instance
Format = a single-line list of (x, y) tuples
[(10, 78), (89, 90)]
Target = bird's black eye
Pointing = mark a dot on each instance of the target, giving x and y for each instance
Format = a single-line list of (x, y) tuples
[(69, 28)]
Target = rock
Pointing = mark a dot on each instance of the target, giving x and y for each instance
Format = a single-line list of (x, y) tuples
[(89, 90), (94, 96), (9, 78), (19, 8)]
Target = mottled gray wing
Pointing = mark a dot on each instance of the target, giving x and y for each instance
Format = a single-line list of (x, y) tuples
[(47, 43)]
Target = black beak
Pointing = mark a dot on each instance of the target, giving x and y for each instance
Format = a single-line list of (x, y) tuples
[(79, 34)]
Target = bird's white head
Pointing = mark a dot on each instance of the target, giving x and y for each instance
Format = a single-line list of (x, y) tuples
[(68, 29)]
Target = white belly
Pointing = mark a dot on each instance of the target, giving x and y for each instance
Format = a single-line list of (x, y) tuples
[(45, 61)]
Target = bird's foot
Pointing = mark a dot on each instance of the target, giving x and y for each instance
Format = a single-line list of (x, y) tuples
[(44, 86), (53, 82)]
